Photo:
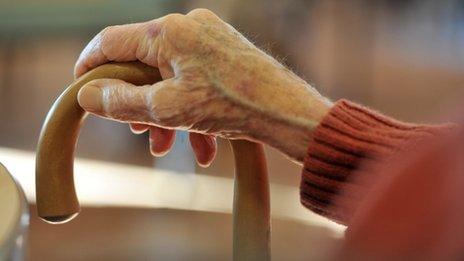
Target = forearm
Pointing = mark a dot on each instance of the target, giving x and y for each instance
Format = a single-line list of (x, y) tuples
[(332, 141), (351, 136)]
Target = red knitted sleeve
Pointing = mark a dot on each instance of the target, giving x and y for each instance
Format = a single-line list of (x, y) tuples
[(348, 136)]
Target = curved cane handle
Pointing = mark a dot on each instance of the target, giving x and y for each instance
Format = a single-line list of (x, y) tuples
[(55, 193)]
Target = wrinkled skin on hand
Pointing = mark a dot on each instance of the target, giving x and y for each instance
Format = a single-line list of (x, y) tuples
[(215, 83)]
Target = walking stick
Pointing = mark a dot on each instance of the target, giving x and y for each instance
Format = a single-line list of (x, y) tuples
[(56, 196)]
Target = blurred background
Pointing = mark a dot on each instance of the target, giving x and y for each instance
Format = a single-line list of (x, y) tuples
[(404, 58)]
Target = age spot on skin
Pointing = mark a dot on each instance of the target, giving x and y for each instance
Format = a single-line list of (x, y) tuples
[(246, 89), (153, 30)]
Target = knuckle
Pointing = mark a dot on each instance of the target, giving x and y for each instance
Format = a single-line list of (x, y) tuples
[(176, 25), (202, 13), (104, 35), (106, 30), (174, 18)]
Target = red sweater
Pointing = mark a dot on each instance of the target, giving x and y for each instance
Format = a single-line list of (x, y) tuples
[(378, 176)]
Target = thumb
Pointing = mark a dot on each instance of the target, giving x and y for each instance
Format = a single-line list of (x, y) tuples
[(118, 100)]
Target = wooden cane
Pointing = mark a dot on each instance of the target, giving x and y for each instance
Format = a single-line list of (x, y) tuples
[(56, 196)]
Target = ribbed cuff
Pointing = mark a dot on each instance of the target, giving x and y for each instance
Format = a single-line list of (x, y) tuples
[(348, 136)]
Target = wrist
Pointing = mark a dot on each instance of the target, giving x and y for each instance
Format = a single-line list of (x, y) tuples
[(290, 130), (277, 107)]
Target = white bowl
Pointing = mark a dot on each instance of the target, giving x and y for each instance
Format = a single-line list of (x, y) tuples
[(14, 217)]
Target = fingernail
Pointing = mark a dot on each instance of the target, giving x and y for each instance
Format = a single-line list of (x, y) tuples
[(210, 142), (90, 98), (204, 165)]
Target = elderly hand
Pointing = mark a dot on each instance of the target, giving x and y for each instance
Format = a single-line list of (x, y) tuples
[(215, 83)]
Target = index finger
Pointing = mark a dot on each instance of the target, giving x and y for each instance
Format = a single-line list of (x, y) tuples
[(121, 43)]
